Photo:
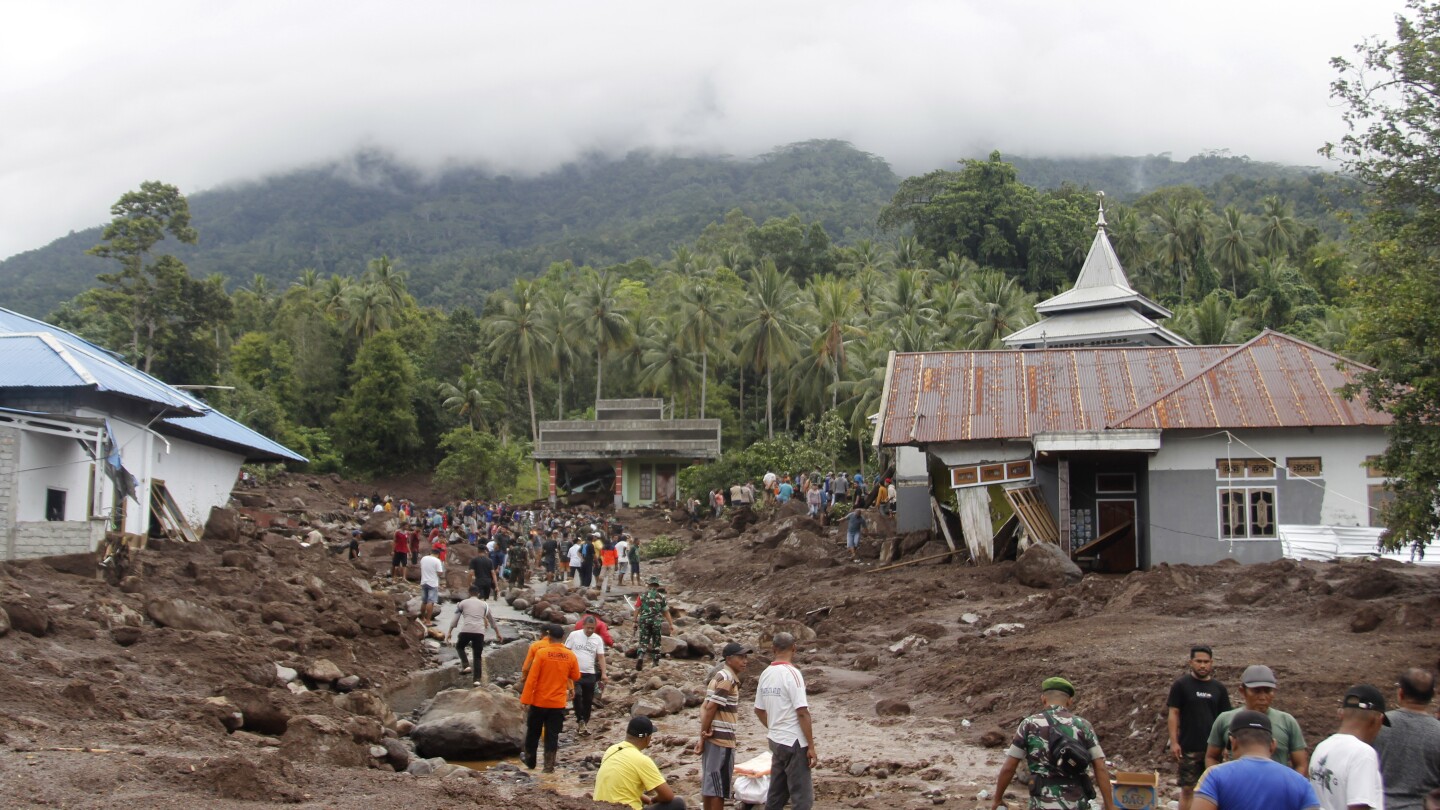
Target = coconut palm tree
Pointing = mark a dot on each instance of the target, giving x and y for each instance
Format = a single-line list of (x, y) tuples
[(471, 397), (562, 335), (382, 273), (334, 294), (770, 332), (309, 280), (368, 308), (706, 314), (836, 305), (606, 326), (1278, 231), (1214, 321), (1234, 246), (519, 339), (666, 364), (991, 306)]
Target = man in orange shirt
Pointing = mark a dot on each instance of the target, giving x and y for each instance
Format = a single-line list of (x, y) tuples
[(549, 683)]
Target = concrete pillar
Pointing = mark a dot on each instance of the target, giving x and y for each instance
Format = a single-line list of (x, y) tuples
[(912, 490), (619, 483), (553, 466)]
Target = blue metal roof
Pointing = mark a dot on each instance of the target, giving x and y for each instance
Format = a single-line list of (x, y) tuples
[(35, 354), (216, 425)]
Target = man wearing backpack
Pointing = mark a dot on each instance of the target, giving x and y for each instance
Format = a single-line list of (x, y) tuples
[(1057, 745)]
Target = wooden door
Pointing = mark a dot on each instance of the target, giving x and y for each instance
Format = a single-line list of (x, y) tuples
[(1116, 539), (665, 483)]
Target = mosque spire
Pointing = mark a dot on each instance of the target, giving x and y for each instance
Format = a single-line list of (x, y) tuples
[(1100, 220)]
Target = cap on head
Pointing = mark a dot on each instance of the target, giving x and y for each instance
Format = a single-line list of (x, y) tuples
[(735, 649), (654, 580), (640, 726), (1365, 696), (1245, 718), (1258, 675), (1058, 685)]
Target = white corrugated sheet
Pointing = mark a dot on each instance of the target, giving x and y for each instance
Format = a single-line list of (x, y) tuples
[(1342, 542)]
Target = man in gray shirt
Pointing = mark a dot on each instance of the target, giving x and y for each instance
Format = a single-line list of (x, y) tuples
[(1410, 747)]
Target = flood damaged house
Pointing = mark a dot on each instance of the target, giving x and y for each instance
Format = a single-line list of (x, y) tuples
[(89, 444), (1110, 435), (629, 448)]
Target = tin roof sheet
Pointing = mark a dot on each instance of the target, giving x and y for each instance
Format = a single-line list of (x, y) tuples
[(1274, 380), (216, 425)]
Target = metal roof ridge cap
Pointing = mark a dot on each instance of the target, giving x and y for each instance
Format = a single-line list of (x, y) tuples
[(63, 353), (1192, 378)]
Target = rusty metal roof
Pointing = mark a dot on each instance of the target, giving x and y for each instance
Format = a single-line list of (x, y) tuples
[(1272, 381)]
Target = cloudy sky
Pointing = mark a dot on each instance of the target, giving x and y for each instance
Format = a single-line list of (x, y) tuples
[(99, 96)]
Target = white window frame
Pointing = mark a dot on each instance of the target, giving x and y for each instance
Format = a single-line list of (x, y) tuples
[(1249, 516)]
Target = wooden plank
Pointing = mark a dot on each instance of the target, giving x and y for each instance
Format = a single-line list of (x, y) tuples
[(1102, 539), (913, 562), (974, 508), (940, 519), (1029, 505)]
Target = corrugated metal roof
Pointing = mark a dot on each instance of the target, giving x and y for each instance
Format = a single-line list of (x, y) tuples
[(218, 426), (939, 397), (1076, 327), (1273, 381), (35, 354)]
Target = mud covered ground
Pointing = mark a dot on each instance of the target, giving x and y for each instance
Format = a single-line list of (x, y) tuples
[(164, 691)]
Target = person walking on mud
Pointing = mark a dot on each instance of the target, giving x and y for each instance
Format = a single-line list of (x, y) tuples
[(472, 615), (548, 685), (1061, 783), (652, 615), (718, 716), (589, 649), (1195, 700), (783, 708)]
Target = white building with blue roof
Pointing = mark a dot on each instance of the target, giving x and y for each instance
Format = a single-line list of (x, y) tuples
[(89, 444)]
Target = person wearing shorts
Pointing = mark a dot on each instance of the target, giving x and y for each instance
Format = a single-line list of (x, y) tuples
[(1196, 699), (717, 727), (430, 570), (401, 557), (607, 565), (854, 524)]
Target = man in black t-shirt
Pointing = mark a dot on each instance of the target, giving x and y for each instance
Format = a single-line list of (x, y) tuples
[(1196, 699), (482, 576), (548, 550)]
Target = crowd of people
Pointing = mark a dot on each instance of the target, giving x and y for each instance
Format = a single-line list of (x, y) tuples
[(1250, 757), (820, 492)]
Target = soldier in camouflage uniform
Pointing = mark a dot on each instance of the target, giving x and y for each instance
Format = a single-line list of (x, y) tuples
[(519, 561), (653, 615), (1048, 789)]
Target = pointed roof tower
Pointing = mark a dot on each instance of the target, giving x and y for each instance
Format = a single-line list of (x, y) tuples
[(1102, 309)]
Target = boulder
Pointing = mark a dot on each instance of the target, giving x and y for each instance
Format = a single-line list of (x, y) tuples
[(993, 739), (396, 752), (322, 740), (673, 647), (699, 645), (28, 618), (366, 703), (912, 542), (470, 724), (380, 526), (1044, 565), (933, 549), (250, 500), (892, 707), (322, 670), (182, 614), (223, 525), (1367, 618), (504, 660), (288, 615), (672, 698), (574, 604), (648, 706), (771, 536)]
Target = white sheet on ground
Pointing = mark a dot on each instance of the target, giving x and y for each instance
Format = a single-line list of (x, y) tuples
[(1341, 542)]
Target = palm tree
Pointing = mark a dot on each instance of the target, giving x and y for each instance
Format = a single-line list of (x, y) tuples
[(1172, 248), (391, 282), (861, 257), (991, 306), (666, 363), (519, 339), (908, 253), (836, 305), (471, 397), (368, 309), (769, 330), (1234, 246), (562, 335), (1278, 231), (334, 294), (309, 280), (261, 289), (1212, 322), (598, 309), (706, 316)]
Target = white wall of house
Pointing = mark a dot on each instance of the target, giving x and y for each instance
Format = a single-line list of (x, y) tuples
[(1344, 481), (197, 476), (51, 462)]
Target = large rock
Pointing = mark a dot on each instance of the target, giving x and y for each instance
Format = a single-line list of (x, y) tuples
[(418, 687), (380, 526), (771, 536), (504, 660), (1044, 565), (574, 604), (367, 704), (224, 525), (699, 644), (323, 670), (470, 724), (4, 622), (673, 698), (322, 740), (913, 542), (30, 618), (933, 550), (183, 614)]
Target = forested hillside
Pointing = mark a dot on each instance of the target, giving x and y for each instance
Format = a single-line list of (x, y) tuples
[(466, 231)]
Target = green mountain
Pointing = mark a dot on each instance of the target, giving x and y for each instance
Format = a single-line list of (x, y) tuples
[(465, 230)]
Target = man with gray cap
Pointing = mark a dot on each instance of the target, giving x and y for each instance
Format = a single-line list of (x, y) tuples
[(717, 727), (1345, 770), (1257, 687), (1057, 746), (1251, 780), (1410, 747)]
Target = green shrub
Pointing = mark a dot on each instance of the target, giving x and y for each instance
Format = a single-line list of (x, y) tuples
[(662, 546)]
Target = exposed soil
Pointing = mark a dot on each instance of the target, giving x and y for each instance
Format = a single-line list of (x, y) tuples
[(101, 706)]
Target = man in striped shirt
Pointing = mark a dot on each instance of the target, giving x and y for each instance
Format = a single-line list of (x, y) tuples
[(717, 727)]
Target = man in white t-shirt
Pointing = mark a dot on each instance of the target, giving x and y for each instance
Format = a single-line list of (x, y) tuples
[(1345, 770), (430, 570), (589, 649), (783, 708), (472, 615), (622, 557), (577, 560)]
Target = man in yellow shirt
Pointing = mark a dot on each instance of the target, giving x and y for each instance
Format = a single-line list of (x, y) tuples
[(626, 775)]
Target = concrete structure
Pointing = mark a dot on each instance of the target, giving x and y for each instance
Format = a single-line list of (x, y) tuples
[(1131, 447), (89, 445), (629, 448)]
